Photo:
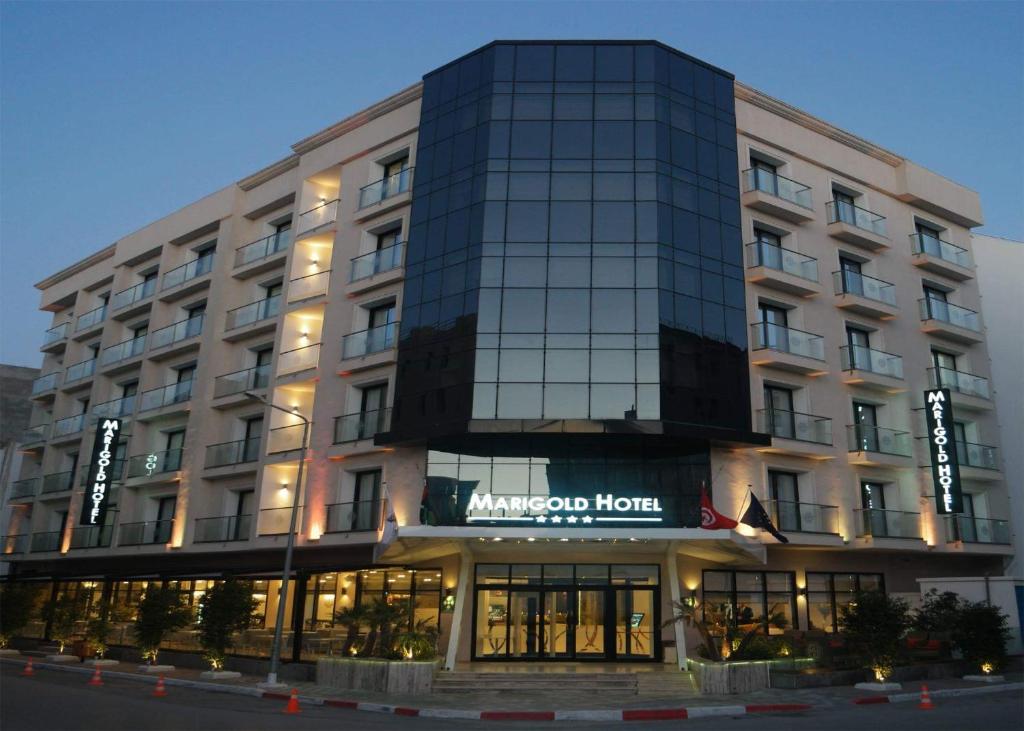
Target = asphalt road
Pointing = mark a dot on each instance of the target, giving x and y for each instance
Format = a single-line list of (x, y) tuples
[(58, 701)]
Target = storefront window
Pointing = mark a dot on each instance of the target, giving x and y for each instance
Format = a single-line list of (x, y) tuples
[(828, 593), (748, 599)]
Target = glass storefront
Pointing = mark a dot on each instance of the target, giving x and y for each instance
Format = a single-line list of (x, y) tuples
[(828, 593), (749, 598)]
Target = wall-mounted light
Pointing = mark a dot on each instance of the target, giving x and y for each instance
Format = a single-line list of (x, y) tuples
[(304, 334), (314, 260), (449, 601), (284, 487)]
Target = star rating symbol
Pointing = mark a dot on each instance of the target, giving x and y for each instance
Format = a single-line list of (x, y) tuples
[(557, 519), (571, 519), (587, 519), (542, 519)]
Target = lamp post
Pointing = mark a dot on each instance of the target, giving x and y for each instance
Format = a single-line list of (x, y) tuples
[(275, 651)]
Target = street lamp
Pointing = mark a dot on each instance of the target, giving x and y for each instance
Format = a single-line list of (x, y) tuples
[(275, 651)]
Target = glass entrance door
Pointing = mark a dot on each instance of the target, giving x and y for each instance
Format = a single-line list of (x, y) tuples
[(634, 624), (590, 624), (524, 624), (558, 619)]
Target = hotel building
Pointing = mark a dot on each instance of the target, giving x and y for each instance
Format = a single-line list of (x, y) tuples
[(530, 308)]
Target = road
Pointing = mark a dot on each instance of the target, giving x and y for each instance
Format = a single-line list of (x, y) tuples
[(57, 701)]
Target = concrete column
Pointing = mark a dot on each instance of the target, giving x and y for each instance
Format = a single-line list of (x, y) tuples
[(462, 592), (672, 566)]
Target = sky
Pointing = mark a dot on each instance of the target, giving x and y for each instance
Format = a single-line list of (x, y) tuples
[(115, 114)]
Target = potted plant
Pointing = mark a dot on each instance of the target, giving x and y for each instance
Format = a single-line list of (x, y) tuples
[(18, 602), (874, 624), (159, 612), (224, 610)]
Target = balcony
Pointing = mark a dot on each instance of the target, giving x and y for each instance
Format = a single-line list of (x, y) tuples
[(224, 529), (154, 463), (176, 338), (366, 342), (362, 425), (941, 257), (949, 321), (865, 295), (380, 190), (284, 439), (128, 302), (118, 408), (875, 523), (123, 355), (782, 269), (791, 517), (70, 426), (775, 346), (261, 255), (353, 517), (252, 318), (978, 461), (377, 262), (58, 482), (79, 373), (92, 536), (778, 196), (34, 435), (15, 543), (968, 390), (173, 394), (56, 338), (299, 359), (872, 368), (115, 471), (856, 225), (233, 453), (319, 217), (878, 446), (309, 286), (186, 279), (968, 529), (44, 386), (801, 435), (276, 521), (46, 541), (250, 379), (27, 488), (146, 533), (90, 322)]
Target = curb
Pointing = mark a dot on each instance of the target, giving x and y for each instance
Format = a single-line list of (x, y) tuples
[(943, 693)]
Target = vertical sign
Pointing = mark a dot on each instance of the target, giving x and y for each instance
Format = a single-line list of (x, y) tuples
[(97, 489), (942, 445)]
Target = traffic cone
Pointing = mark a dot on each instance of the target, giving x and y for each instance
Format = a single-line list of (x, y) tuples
[(926, 700), (293, 703), (96, 679), (160, 691), (28, 668)]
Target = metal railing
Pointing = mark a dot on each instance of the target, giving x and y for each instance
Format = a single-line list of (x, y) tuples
[(763, 254), (768, 336), (362, 515), (58, 481), (223, 529), (130, 296), (298, 359), (309, 286), (969, 529), (778, 186), (373, 340), (844, 212), (969, 454), (91, 318), (794, 425), (933, 246), (959, 381), (155, 463), (284, 438), (878, 439), (935, 309), (80, 371), (385, 188), (262, 248), (24, 488), (240, 381), (69, 425), (124, 350), (237, 452), (275, 521), (45, 383), (174, 393), (804, 517), (46, 541), (92, 536), (861, 285), (176, 332), (860, 358), (55, 334), (145, 533), (262, 309), (187, 272), (115, 408), (887, 523), (319, 215), (16, 543), (381, 260), (361, 425)]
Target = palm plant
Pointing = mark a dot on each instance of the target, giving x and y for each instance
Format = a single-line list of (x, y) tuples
[(420, 641), (352, 619), (690, 613)]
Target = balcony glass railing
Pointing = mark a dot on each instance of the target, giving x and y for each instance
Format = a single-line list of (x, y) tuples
[(969, 529), (67, 426), (365, 342), (230, 453), (92, 536), (275, 521), (128, 297), (80, 371), (250, 379), (769, 256), (174, 393), (154, 463), (45, 383), (778, 186), (861, 285), (384, 188), (15, 543), (145, 533), (58, 481), (263, 309), (965, 383), (24, 488), (362, 425), (878, 439), (791, 517), (91, 319), (115, 408), (223, 529), (123, 351), (187, 272), (179, 331), (267, 246), (46, 541), (936, 309), (794, 425), (319, 215), (843, 212), (766, 336), (35, 433), (284, 438), (381, 260), (887, 523), (299, 359), (859, 358), (55, 334), (363, 515), (932, 246), (309, 286), (115, 470), (969, 454)]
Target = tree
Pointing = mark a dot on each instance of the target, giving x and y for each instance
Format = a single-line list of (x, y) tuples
[(352, 619), (99, 627), (874, 623), (18, 603), (938, 612), (383, 618), (62, 614), (225, 609), (981, 634), (160, 611)]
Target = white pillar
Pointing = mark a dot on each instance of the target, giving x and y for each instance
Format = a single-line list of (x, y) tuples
[(461, 593), (672, 565)]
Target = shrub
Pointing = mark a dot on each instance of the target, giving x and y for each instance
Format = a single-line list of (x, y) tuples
[(874, 623), (938, 612), (160, 611), (62, 614), (981, 634), (759, 647), (225, 610), (420, 642), (18, 602)]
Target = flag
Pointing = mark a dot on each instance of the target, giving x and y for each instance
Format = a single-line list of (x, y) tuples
[(711, 519), (757, 517)]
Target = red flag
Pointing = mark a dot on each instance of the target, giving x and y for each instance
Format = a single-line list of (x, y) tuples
[(711, 519)]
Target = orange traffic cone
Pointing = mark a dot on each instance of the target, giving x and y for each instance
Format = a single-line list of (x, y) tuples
[(96, 679), (926, 700), (160, 691), (293, 703), (28, 668)]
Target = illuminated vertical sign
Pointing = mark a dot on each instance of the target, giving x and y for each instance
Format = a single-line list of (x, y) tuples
[(942, 444), (101, 475)]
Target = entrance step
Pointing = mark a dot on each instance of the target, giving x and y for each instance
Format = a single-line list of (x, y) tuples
[(460, 682), (665, 683)]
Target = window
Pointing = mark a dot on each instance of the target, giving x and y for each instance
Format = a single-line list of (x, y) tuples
[(865, 423), (785, 492), (846, 209), (936, 302), (872, 496), (778, 405), (750, 597), (828, 593), (388, 238), (165, 517), (851, 274), (765, 176), (421, 588), (858, 341), (174, 443), (381, 316), (774, 326), (280, 228)]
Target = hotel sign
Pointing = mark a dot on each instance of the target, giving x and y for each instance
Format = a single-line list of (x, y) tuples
[(97, 489), (942, 444), (578, 510)]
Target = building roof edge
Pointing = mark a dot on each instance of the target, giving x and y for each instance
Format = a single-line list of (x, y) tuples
[(78, 266)]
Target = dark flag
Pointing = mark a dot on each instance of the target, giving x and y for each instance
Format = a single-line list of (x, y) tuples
[(757, 517)]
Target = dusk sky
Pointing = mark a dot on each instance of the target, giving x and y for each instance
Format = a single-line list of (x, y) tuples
[(115, 114)]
